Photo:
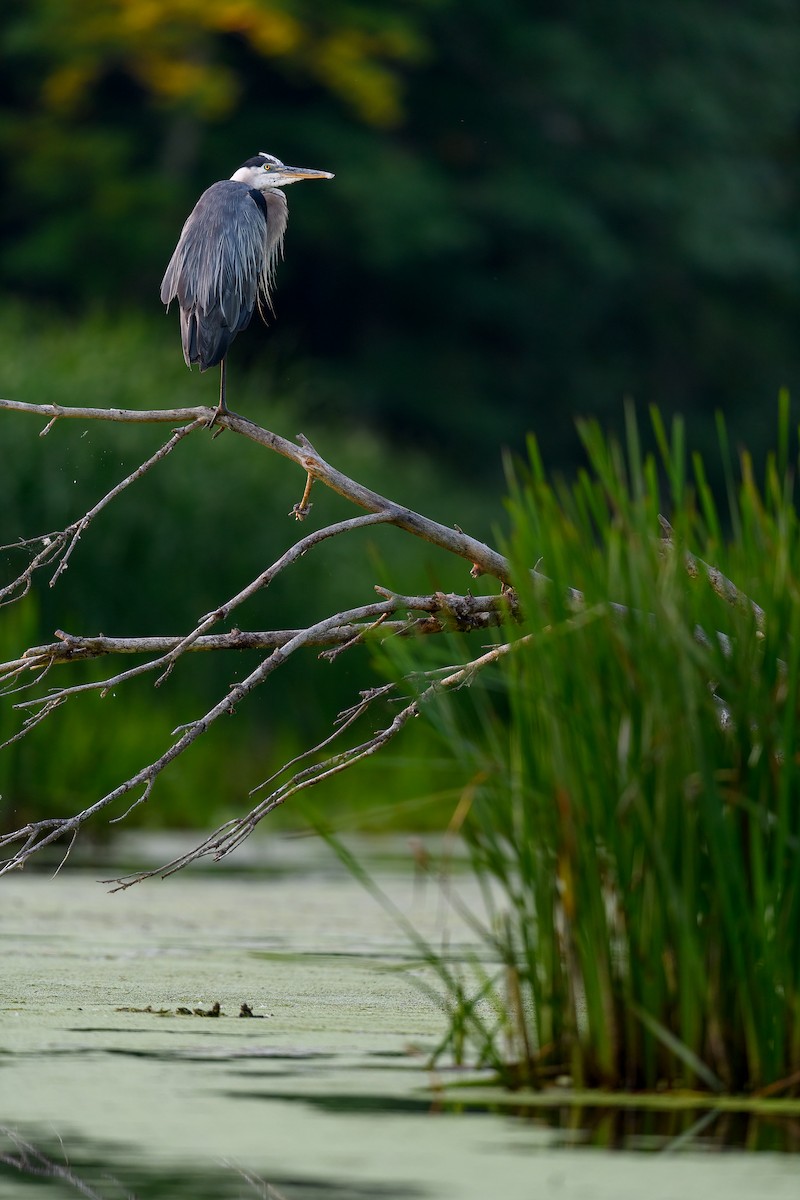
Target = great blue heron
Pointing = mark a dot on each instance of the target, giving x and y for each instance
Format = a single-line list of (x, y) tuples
[(224, 262)]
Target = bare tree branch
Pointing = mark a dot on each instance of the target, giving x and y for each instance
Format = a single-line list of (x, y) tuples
[(456, 612), (483, 558), (389, 616), (461, 613), (167, 660), (36, 835), (341, 630)]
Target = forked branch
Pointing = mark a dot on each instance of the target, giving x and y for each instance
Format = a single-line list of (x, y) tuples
[(25, 676)]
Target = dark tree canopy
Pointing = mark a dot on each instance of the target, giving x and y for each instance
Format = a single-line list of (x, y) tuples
[(538, 209)]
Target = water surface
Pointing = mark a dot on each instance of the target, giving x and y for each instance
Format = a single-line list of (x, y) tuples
[(324, 1094)]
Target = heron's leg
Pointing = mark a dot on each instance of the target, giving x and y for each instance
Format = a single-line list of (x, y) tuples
[(222, 406)]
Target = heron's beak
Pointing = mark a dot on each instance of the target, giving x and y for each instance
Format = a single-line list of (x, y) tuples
[(296, 173)]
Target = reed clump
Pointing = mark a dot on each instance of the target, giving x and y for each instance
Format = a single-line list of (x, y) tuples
[(633, 805)]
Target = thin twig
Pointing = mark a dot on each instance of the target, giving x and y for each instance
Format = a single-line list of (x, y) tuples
[(61, 545), (166, 661), (30, 1161), (229, 836)]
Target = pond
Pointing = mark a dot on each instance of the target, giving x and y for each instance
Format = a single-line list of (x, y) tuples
[(108, 1090)]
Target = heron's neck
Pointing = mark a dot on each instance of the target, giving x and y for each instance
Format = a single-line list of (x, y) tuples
[(277, 219)]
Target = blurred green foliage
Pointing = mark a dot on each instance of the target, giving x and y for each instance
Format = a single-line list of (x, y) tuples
[(538, 208)]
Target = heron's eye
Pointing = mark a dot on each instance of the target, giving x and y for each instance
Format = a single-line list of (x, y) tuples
[(267, 166)]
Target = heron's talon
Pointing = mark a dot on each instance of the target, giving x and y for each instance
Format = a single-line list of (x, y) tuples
[(213, 420)]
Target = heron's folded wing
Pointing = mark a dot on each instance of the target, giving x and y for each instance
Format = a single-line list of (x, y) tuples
[(216, 270)]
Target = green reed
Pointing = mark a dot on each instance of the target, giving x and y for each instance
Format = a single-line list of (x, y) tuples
[(633, 806)]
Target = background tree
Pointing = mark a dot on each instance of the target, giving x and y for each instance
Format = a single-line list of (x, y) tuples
[(537, 210)]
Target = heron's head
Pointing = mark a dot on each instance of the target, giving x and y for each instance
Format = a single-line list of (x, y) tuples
[(265, 171)]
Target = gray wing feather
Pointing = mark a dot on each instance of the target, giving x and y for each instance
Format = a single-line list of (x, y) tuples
[(218, 271)]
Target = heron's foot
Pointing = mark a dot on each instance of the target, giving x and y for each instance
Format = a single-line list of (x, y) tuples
[(221, 410)]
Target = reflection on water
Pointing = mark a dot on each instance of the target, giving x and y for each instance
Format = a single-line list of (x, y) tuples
[(56, 1166), (82, 1168), (667, 1132)]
